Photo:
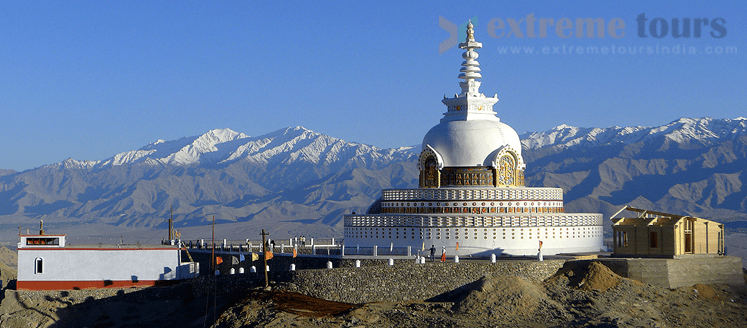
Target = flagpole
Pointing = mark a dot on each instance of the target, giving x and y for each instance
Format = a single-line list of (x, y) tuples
[(212, 262), (264, 257), (212, 268), (171, 224)]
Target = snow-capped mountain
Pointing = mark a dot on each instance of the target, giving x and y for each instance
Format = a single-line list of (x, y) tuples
[(225, 173), (684, 130), (185, 151), (297, 176), (694, 166), (224, 146)]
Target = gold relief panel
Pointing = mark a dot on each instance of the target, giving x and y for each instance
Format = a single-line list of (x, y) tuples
[(430, 176), (480, 176)]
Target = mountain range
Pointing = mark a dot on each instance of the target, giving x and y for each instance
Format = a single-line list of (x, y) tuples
[(693, 166), (303, 178)]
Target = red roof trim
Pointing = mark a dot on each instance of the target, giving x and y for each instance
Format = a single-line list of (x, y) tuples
[(42, 235), (89, 284), (43, 248)]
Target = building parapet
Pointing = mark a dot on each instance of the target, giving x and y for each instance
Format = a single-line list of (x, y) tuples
[(446, 194), (564, 220)]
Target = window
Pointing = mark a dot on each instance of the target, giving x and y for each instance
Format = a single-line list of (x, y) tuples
[(622, 239), (653, 240), (39, 265), (42, 241)]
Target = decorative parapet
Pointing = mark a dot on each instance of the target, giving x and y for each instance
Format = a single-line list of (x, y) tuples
[(565, 220), (450, 194)]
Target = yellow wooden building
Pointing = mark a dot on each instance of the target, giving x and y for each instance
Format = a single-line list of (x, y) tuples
[(657, 234)]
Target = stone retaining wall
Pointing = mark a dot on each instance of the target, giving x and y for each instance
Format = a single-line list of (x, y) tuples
[(680, 272), (375, 281), (409, 281)]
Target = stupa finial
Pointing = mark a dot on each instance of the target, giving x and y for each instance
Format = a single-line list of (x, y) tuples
[(470, 32), (470, 67)]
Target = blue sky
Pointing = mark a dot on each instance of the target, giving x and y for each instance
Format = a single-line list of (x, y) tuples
[(88, 80)]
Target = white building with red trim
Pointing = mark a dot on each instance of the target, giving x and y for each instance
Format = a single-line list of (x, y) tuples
[(45, 262)]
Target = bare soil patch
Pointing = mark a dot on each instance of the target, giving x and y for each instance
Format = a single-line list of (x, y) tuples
[(299, 303)]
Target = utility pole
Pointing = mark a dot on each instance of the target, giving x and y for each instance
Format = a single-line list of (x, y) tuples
[(264, 255), (171, 224)]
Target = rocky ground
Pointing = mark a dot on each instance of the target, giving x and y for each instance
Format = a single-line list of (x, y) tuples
[(581, 294), (577, 296)]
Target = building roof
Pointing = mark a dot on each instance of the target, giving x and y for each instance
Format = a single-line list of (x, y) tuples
[(652, 218)]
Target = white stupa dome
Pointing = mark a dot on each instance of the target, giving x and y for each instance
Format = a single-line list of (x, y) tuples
[(471, 143)]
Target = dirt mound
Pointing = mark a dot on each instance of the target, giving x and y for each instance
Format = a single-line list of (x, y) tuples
[(506, 296), (586, 275), (599, 277)]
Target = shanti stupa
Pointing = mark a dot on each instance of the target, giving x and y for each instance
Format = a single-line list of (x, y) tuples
[(471, 198)]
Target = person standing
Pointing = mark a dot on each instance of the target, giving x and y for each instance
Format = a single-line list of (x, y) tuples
[(433, 253)]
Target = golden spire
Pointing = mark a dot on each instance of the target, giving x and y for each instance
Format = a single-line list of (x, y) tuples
[(470, 32)]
